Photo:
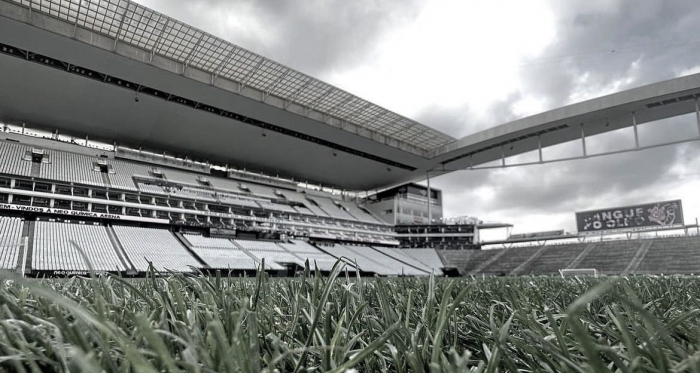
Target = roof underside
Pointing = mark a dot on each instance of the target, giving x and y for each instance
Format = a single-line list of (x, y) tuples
[(136, 25)]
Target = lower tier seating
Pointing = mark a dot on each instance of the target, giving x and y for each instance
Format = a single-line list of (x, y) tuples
[(611, 257), (672, 255), (553, 258), (10, 242), (159, 246), (55, 248), (306, 251), (220, 253), (429, 257), (275, 256)]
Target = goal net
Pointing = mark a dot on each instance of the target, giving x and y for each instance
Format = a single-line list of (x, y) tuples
[(578, 272)]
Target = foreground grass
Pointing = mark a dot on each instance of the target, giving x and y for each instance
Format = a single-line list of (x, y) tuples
[(313, 323)]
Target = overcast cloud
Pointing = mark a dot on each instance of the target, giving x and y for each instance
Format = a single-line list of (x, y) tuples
[(462, 66)]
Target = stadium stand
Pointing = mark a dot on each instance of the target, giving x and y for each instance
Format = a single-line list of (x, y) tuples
[(509, 261), (672, 255), (552, 259), (610, 257), (53, 248), (306, 251), (371, 260), (275, 256), (429, 257), (13, 162), (10, 242), (159, 246), (328, 206), (220, 253), (468, 261), (123, 174), (399, 255), (70, 167)]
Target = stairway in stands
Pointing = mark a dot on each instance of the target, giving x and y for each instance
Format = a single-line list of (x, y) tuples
[(581, 256), (120, 250), (637, 260)]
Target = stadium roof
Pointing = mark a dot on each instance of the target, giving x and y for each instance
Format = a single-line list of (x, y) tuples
[(137, 25), (116, 71)]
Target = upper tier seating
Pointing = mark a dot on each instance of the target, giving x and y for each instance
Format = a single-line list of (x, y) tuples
[(158, 246), (220, 253), (358, 213), (610, 257), (331, 208), (301, 198), (553, 258), (429, 257), (70, 167), (275, 256), (123, 173), (11, 159), (671, 255), (53, 249), (187, 177), (233, 200), (10, 242), (306, 251)]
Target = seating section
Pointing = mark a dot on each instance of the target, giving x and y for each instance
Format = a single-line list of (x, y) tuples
[(10, 242), (158, 246), (672, 255), (181, 176), (467, 261), (371, 260), (275, 256), (70, 167), (401, 256), (553, 258), (359, 213), (611, 257), (327, 205), (54, 249), (123, 172), (12, 155), (220, 253), (510, 260), (304, 250), (429, 257)]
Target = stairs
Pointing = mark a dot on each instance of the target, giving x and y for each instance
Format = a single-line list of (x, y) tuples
[(120, 250), (581, 256), (637, 260), (28, 232)]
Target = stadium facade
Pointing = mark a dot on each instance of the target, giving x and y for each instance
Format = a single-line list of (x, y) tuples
[(133, 138)]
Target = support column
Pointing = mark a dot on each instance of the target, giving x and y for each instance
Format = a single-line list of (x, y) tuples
[(636, 132), (430, 213)]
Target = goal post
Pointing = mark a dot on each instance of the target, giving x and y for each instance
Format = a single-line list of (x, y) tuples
[(578, 272)]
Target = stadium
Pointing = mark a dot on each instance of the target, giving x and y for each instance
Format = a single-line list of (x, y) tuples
[(135, 146)]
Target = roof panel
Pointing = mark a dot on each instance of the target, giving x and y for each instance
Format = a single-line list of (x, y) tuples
[(145, 28)]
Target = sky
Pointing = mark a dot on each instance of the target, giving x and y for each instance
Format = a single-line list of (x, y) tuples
[(461, 66)]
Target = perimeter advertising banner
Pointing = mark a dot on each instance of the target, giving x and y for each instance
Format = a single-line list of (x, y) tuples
[(637, 217)]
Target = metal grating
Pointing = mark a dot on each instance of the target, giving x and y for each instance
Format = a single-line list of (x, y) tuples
[(134, 24)]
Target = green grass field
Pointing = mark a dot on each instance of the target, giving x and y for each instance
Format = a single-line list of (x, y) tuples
[(339, 323)]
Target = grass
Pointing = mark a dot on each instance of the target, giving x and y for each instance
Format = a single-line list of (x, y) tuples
[(185, 323)]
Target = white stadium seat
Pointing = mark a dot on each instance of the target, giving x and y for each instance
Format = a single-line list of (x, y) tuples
[(158, 246), (220, 253), (53, 249), (10, 242)]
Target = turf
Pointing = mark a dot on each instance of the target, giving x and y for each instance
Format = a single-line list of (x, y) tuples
[(339, 322)]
